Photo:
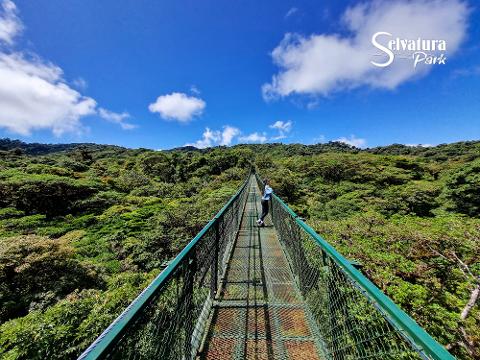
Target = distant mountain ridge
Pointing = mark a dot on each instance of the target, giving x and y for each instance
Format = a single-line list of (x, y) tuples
[(465, 148), (44, 149)]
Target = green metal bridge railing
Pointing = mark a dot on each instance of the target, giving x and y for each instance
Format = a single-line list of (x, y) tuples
[(167, 320), (355, 319)]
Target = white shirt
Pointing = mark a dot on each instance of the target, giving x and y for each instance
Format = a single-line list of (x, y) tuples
[(267, 193)]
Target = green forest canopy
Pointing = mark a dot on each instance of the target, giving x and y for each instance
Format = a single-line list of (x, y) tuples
[(84, 228)]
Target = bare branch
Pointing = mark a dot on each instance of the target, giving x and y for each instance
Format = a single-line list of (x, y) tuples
[(463, 265), (471, 303)]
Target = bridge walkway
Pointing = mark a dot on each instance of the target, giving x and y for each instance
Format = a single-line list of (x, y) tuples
[(259, 312)]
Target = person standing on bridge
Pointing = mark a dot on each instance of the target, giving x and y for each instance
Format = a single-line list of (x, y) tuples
[(267, 195)]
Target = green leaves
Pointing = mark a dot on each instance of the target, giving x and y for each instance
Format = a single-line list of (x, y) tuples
[(463, 189), (45, 194), (86, 228), (109, 218), (410, 218), (35, 271)]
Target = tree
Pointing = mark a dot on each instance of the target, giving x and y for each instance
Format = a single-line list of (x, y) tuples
[(463, 189), (37, 271), (45, 194), (158, 165)]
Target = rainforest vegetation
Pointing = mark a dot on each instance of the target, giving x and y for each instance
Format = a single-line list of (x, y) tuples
[(84, 228)]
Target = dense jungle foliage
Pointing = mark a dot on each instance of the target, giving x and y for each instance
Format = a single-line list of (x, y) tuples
[(84, 228)]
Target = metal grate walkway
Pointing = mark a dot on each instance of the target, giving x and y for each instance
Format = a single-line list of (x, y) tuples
[(259, 312)]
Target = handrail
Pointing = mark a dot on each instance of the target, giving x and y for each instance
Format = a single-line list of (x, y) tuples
[(388, 311), (401, 320), (115, 330)]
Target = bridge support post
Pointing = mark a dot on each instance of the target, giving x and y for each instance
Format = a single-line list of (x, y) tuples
[(188, 309), (216, 249)]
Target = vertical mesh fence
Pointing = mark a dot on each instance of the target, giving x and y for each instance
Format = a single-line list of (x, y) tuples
[(351, 325), (203, 288), (171, 322), (259, 313)]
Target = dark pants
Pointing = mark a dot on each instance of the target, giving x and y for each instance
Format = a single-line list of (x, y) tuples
[(264, 209)]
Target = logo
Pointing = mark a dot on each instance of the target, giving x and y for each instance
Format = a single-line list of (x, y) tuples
[(420, 51)]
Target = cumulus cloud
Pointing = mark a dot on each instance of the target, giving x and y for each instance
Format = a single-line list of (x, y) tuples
[(117, 118), (216, 137), (33, 96), (227, 136), (254, 138), (33, 92), (178, 106), (280, 125), (321, 64), (209, 138), (283, 127), (353, 141), (228, 133)]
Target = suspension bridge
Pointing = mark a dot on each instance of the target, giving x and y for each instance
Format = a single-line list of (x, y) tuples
[(238, 291)]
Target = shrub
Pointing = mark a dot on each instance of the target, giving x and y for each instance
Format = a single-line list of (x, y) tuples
[(36, 272), (463, 189), (45, 194)]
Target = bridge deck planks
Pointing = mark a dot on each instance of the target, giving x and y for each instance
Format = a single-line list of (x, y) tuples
[(260, 313)]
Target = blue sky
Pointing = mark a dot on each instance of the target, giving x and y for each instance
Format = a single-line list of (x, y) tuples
[(145, 73)]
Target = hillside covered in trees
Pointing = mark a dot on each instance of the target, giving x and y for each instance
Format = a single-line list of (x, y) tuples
[(84, 228)]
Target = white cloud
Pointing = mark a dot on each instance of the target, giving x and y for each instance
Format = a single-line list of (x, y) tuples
[(117, 118), (33, 96), (254, 138), (227, 136), (178, 106), (280, 125), (278, 137), (353, 141), (228, 133), (10, 25), (290, 12), (216, 137), (283, 127), (324, 63), (33, 92), (209, 138)]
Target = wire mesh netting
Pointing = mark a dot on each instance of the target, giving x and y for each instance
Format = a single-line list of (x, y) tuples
[(171, 323), (259, 312), (238, 291), (350, 325)]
